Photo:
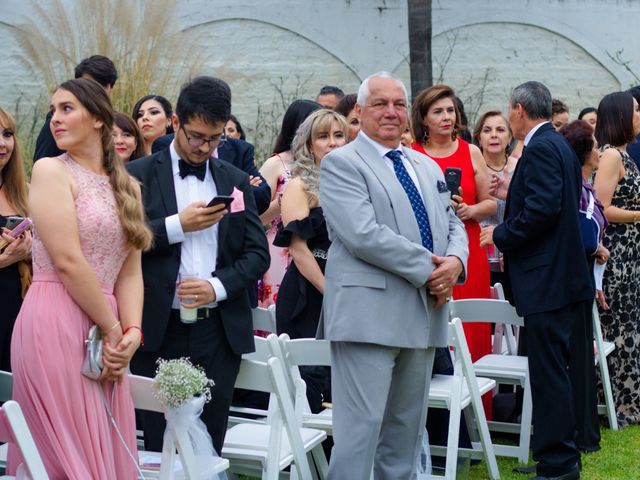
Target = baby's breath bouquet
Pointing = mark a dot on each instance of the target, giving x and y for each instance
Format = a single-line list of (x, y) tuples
[(178, 381)]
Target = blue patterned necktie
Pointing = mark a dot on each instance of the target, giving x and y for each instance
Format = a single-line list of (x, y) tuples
[(414, 197)]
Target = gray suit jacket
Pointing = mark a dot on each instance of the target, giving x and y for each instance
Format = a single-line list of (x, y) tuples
[(377, 266)]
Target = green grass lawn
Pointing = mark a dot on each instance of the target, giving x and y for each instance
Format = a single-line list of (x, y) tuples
[(619, 459)]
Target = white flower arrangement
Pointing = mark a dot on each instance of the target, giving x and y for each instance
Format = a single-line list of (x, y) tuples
[(178, 381)]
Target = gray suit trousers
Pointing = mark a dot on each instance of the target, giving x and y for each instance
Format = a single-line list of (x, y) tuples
[(379, 398)]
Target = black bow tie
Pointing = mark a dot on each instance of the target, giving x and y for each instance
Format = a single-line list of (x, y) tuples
[(198, 171)]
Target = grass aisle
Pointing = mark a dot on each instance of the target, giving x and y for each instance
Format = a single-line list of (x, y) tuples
[(619, 459)]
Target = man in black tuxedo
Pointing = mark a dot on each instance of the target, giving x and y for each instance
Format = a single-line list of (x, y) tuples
[(98, 68), (239, 154), (226, 250), (547, 271)]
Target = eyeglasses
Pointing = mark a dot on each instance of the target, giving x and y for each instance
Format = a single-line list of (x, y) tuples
[(197, 142)]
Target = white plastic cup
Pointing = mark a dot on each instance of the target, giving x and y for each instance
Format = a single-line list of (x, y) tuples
[(187, 315), (493, 254)]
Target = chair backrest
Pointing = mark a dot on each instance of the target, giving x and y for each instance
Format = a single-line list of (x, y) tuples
[(262, 352), (6, 386), (14, 430), (142, 392), (264, 319), (306, 351), (294, 353), (485, 310), (270, 377)]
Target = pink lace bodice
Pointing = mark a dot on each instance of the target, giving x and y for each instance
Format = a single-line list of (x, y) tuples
[(102, 238)]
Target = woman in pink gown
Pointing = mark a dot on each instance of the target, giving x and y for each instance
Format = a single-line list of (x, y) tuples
[(89, 231)]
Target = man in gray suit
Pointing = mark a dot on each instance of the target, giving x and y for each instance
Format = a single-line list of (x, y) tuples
[(397, 250)]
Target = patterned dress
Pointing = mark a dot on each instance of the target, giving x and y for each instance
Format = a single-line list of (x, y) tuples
[(269, 285), (621, 287)]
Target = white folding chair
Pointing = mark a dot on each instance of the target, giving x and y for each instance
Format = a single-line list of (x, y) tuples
[(264, 318), (6, 393), (603, 351), (504, 369), (504, 336), (303, 352), (456, 393), (239, 414), (142, 392), (14, 430), (271, 447)]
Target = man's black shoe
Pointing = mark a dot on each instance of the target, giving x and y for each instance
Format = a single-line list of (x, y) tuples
[(528, 469), (572, 475)]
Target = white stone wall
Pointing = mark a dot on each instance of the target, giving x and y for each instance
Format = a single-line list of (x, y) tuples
[(273, 51)]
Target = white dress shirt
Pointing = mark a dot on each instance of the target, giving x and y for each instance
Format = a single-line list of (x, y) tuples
[(527, 139), (199, 251), (383, 150)]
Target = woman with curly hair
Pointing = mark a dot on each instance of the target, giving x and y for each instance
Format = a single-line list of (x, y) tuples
[(299, 299), (304, 230)]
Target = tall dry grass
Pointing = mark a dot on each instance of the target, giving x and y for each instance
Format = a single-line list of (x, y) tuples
[(142, 37)]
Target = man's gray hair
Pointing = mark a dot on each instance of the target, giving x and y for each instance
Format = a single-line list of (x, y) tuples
[(535, 98), (363, 91)]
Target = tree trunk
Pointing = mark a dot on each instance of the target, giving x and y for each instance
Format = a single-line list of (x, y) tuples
[(419, 21)]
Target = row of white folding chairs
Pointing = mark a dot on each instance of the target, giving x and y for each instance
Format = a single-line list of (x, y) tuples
[(459, 392), (505, 342)]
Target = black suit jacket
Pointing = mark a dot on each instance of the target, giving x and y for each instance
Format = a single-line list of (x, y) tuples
[(543, 253), (45, 144), (243, 253), (239, 154)]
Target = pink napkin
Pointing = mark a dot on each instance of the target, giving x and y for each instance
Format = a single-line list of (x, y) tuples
[(238, 201)]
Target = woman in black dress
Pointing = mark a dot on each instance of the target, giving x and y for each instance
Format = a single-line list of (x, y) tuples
[(299, 299), (304, 232), (14, 257)]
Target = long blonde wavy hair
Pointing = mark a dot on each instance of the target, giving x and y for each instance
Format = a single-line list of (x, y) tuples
[(94, 98), (305, 165), (13, 177)]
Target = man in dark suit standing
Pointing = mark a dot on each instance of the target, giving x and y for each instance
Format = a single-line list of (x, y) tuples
[(225, 250), (98, 68), (547, 271)]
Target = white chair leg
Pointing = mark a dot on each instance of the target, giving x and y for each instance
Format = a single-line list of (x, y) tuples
[(485, 438), (320, 461), (451, 465), (608, 394), (525, 423)]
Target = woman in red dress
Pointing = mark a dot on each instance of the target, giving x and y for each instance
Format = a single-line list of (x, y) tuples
[(435, 125)]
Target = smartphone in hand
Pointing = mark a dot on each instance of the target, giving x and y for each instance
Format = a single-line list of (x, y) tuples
[(13, 221), (218, 199), (453, 177)]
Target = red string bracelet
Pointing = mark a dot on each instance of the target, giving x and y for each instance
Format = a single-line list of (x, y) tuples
[(137, 328)]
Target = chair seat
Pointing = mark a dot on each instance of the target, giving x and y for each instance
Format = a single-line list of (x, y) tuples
[(205, 464), (251, 442), (441, 388), (503, 367)]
